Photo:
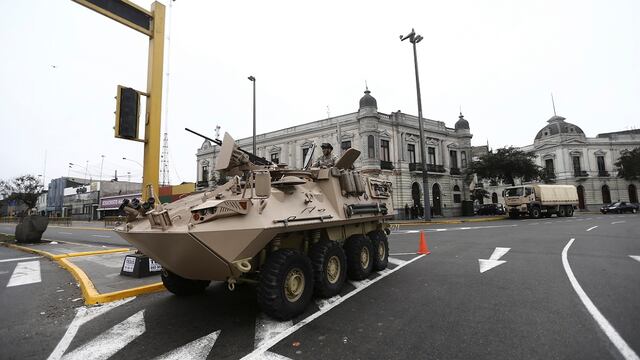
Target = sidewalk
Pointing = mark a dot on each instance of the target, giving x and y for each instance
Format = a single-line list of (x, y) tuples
[(95, 267)]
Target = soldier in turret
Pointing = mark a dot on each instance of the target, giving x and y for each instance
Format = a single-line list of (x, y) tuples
[(327, 159)]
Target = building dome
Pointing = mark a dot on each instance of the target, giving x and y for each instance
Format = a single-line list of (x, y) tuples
[(462, 123), (368, 100), (558, 125)]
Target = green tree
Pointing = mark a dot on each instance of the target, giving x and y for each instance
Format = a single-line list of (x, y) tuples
[(628, 165), (506, 164), (478, 194), (25, 188)]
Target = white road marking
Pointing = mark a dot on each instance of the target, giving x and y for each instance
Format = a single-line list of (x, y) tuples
[(323, 303), (197, 349), (101, 236), (395, 261), (618, 222), (535, 223), (260, 351), (591, 228), (412, 231), (398, 254), (20, 259), (65, 233), (454, 229), (111, 341), (83, 315), (604, 324), (494, 260), (267, 329), (25, 273), (635, 257)]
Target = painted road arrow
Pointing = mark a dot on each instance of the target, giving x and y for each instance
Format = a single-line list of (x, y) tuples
[(635, 257), (494, 260)]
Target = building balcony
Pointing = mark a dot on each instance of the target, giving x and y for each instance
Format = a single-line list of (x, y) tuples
[(386, 165), (455, 171), (580, 173), (430, 168), (603, 173)]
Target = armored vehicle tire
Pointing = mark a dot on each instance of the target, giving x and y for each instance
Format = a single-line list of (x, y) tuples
[(359, 257), (329, 267), (562, 211), (380, 245), (181, 286), (286, 284), (569, 211), (535, 212)]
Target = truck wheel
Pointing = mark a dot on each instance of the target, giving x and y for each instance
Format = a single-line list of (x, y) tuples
[(562, 212), (569, 211), (329, 267), (359, 257), (380, 245), (535, 213), (181, 286), (286, 284)]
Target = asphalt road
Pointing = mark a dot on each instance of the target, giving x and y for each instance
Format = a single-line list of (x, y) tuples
[(437, 306), (95, 237)]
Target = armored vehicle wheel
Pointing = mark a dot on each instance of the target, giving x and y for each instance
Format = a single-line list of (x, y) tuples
[(359, 257), (286, 284), (181, 286), (329, 267), (535, 212), (380, 245)]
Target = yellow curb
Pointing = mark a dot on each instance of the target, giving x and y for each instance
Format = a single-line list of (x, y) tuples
[(88, 253), (92, 296), (81, 228), (30, 250)]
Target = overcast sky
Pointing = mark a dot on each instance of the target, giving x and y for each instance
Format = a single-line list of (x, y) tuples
[(498, 60)]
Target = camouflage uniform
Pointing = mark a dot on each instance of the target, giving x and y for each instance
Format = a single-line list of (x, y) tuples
[(326, 161)]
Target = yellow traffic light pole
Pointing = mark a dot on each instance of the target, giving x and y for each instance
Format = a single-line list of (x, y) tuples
[(150, 23)]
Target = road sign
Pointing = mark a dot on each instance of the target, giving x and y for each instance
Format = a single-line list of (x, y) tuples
[(122, 11)]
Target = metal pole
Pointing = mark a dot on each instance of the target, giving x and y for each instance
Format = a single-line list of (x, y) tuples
[(253, 80), (413, 38)]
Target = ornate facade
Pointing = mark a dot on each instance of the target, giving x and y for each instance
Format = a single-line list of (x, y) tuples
[(389, 146)]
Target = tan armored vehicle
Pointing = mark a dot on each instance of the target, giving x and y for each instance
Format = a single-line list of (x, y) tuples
[(294, 233)]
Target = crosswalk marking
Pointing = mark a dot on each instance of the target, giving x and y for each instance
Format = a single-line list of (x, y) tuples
[(20, 259), (111, 341), (197, 349), (27, 272)]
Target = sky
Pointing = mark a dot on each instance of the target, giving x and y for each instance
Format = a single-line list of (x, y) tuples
[(498, 61)]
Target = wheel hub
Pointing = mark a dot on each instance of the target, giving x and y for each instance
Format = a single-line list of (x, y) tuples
[(333, 269), (381, 251), (294, 285), (364, 257)]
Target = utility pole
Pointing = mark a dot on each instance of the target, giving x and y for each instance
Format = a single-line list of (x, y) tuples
[(414, 39)]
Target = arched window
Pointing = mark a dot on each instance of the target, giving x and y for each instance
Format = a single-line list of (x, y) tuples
[(494, 198), (372, 146), (606, 195), (633, 194)]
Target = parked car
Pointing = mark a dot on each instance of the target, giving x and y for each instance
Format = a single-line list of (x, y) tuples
[(619, 208), (491, 209)]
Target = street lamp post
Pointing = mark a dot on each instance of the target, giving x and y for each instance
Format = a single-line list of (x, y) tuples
[(124, 158), (253, 80), (414, 39), (101, 166)]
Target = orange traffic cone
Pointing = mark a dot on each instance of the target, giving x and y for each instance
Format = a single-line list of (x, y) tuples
[(423, 249)]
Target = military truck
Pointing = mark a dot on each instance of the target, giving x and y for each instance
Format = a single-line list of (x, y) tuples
[(291, 232), (539, 200)]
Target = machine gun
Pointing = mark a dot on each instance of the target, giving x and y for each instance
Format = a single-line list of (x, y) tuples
[(252, 157)]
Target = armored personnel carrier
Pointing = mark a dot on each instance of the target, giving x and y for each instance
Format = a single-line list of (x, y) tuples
[(293, 233)]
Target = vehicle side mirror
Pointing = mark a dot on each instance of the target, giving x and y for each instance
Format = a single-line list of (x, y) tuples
[(263, 183)]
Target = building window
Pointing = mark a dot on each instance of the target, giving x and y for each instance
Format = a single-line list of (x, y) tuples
[(454, 158), (346, 145), (384, 148), (576, 165), (432, 155), (372, 147), (600, 160), (205, 173), (548, 167), (463, 159), (305, 151), (275, 158), (456, 194), (411, 148)]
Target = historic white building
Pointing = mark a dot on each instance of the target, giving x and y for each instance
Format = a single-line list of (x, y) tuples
[(389, 146), (568, 156)]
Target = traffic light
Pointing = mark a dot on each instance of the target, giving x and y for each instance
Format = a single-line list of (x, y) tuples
[(127, 113)]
